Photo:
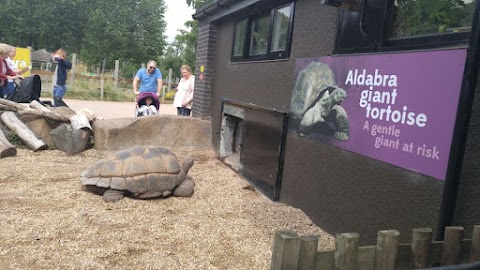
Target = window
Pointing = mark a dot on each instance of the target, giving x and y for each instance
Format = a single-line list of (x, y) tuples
[(240, 30), (280, 29), (427, 17), (259, 35), (264, 36), (387, 25)]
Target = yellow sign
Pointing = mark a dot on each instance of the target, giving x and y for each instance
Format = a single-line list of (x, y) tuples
[(22, 60), (202, 68)]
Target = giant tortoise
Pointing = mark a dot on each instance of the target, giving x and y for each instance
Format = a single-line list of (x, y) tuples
[(140, 172)]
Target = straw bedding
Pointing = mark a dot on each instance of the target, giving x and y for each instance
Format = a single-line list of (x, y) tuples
[(48, 221)]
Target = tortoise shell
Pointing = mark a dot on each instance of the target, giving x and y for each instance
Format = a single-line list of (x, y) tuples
[(311, 83), (138, 170)]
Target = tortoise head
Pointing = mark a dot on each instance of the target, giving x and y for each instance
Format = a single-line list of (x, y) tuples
[(187, 163), (339, 95)]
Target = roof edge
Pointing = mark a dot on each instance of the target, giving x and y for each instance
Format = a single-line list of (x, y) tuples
[(221, 8)]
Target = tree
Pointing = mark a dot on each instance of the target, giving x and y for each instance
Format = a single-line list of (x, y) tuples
[(188, 41), (171, 60), (419, 17), (182, 50), (48, 24), (198, 3), (100, 30), (129, 30)]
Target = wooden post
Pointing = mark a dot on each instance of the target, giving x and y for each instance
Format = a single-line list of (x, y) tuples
[(102, 81), (104, 62), (346, 252), (308, 252), (169, 79), (53, 84), (421, 241), (286, 249), (117, 68), (452, 245), (30, 64), (74, 66), (163, 93), (475, 249), (386, 251)]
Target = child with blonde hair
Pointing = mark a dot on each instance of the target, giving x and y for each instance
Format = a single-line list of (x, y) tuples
[(60, 77)]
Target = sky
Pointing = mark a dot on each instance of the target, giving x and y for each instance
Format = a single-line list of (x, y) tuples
[(178, 12)]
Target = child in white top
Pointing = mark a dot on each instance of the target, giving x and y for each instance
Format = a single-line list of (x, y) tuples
[(148, 108)]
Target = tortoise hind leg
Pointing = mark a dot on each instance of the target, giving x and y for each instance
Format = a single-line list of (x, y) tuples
[(113, 195)]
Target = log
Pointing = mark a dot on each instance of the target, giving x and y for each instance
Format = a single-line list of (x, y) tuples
[(12, 105), (6, 148), (35, 108), (38, 106), (24, 133)]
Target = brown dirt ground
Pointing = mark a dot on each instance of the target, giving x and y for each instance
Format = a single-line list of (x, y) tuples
[(48, 221)]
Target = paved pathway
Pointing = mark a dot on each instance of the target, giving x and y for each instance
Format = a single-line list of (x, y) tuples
[(111, 109)]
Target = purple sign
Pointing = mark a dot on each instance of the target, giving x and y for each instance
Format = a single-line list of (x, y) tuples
[(399, 108)]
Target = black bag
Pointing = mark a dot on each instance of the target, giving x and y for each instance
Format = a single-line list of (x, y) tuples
[(28, 90)]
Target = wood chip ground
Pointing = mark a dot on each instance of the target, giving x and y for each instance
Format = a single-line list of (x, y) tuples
[(48, 221)]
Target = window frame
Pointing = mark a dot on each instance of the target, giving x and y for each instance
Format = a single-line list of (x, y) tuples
[(237, 23), (377, 38), (269, 55), (249, 40), (420, 41)]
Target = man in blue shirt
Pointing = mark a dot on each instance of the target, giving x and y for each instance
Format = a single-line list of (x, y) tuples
[(150, 79)]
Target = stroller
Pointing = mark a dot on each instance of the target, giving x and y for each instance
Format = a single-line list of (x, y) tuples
[(27, 90), (141, 100)]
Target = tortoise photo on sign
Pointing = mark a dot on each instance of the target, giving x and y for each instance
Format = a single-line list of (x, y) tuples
[(316, 103)]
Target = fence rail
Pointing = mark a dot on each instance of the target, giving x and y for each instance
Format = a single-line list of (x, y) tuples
[(291, 251)]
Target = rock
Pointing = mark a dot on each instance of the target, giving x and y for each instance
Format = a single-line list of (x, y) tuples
[(70, 140), (171, 131)]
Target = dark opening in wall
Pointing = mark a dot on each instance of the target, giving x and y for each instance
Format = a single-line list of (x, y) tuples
[(252, 143), (231, 136)]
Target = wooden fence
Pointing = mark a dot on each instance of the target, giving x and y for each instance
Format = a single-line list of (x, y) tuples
[(291, 251)]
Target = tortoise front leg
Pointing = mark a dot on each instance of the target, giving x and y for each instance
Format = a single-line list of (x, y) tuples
[(185, 189), (113, 195)]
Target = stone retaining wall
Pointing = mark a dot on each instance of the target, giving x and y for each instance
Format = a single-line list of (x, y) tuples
[(172, 131)]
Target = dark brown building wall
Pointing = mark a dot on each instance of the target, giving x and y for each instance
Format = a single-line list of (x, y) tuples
[(467, 211), (269, 84), (264, 84), (343, 191), (339, 190)]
